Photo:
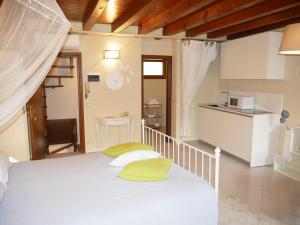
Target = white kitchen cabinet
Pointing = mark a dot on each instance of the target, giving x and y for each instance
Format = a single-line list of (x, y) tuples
[(252, 57), (253, 138)]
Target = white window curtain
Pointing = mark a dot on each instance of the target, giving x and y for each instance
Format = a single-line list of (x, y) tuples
[(196, 58), (32, 33)]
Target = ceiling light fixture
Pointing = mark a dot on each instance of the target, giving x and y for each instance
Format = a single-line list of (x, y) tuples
[(290, 43)]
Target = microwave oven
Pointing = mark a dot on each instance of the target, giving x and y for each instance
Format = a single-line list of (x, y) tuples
[(241, 102)]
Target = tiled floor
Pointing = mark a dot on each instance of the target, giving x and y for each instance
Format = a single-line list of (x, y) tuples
[(261, 190)]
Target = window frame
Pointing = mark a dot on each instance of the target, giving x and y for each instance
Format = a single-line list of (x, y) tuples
[(153, 58)]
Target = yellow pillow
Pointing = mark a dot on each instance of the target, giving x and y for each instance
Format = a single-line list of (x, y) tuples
[(117, 150), (147, 170)]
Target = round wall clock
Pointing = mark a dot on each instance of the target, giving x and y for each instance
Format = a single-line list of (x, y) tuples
[(114, 81)]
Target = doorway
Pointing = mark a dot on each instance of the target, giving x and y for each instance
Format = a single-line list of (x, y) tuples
[(157, 92), (55, 112)]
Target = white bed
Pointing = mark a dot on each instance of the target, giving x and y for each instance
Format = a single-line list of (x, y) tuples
[(84, 190)]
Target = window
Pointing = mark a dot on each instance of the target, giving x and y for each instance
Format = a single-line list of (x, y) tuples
[(154, 68)]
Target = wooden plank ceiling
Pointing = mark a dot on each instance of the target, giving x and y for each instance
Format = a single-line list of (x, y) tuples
[(216, 18)]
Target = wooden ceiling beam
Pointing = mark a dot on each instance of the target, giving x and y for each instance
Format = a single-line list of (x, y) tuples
[(139, 9), (93, 12), (180, 9), (212, 12), (263, 29), (260, 22), (254, 12)]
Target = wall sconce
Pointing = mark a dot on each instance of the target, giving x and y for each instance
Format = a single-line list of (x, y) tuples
[(111, 54), (290, 43)]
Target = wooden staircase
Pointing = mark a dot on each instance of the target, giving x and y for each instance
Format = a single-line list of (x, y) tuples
[(66, 67)]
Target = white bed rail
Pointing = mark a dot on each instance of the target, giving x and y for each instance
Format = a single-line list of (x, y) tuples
[(196, 161)]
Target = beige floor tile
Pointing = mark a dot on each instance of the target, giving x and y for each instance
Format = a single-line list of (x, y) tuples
[(297, 220), (268, 197), (275, 208)]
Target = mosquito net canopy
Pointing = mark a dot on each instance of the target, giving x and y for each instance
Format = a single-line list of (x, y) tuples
[(31, 35)]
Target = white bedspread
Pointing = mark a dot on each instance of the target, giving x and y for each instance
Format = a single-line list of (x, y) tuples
[(85, 190)]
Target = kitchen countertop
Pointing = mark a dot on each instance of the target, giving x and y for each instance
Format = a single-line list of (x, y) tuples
[(245, 112)]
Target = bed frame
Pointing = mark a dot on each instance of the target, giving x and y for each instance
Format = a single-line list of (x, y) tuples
[(200, 163)]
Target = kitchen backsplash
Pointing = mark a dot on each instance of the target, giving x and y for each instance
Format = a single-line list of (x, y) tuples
[(263, 101)]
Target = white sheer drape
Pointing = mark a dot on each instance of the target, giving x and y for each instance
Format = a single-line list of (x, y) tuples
[(196, 58), (31, 35)]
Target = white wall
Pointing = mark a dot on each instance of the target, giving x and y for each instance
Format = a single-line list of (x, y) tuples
[(176, 89), (105, 102), (207, 93), (14, 138), (151, 46)]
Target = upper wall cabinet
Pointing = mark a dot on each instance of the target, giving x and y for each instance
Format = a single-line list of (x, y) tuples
[(253, 57)]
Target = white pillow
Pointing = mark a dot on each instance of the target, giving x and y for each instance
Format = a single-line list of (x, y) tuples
[(4, 168), (132, 156)]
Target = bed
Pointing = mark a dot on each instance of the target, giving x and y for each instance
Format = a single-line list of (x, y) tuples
[(85, 190)]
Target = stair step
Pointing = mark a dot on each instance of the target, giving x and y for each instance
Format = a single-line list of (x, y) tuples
[(63, 66), (53, 86), (59, 76), (296, 154), (290, 172), (281, 162), (294, 164)]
